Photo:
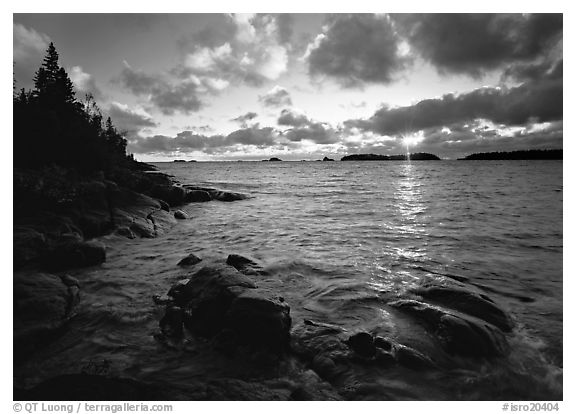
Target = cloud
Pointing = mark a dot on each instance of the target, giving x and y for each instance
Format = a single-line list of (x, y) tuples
[(84, 83), (130, 120), (243, 119), (357, 49), (29, 48), (189, 141), (471, 44), (241, 48), (276, 97), (304, 128), (168, 97), (538, 101)]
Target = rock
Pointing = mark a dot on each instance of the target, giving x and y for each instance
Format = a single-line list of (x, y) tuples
[(164, 205), (227, 196), (69, 280), (143, 228), (197, 196), (207, 297), (28, 245), (458, 333), (468, 302), (412, 358), (125, 232), (189, 260), (85, 387), (363, 344), (171, 194), (74, 254), (171, 323), (219, 302), (260, 319), (42, 306), (383, 343), (324, 366), (244, 265), (179, 214)]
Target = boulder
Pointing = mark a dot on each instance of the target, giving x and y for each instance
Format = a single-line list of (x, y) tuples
[(43, 303), (28, 245), (171, 323), (468, 302), (189, 260), (244, 265), (458, 333), (260, 319), (219, 302), (197, 196), (363, 344), (172, 194), (179, 214), (72, 254)]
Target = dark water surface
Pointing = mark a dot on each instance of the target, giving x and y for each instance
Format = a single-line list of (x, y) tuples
[(339, 238)]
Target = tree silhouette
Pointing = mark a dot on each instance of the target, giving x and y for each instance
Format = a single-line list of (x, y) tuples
[(52, 127)]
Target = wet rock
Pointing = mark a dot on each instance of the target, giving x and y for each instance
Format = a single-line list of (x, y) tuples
[(310, 339), (143, 228), (69, 280), (227, 196), (164, 205), (468, 302), (125, 232), (172, 322), (43, 304), (244, 265), (198, 196), (363, 344), (383, 343), (458, 333), (179, 214), (74, 254), (324, 366), (172, 194), (412, 358), (261, 319), (189, 260), (85, 387)]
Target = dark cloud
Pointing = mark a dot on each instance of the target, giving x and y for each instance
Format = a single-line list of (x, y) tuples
[(534, 71), (357, 49), (276, 97), (129, 120), (305, 128), (168, 98), (474, 43), (243, 119), (533, 101), (221, 30), (189, 141), (292, 118)]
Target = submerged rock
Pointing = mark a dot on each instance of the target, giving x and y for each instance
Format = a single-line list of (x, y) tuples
[(227, 196), (179, 214), (189, 260)]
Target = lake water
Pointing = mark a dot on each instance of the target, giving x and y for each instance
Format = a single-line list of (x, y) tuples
[(339, 238)]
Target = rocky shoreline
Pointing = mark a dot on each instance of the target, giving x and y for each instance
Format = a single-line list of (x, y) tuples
[(219, 310)]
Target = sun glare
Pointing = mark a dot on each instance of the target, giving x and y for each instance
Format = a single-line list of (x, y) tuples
[(413, 139)]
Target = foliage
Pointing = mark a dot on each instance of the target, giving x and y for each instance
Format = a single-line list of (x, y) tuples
[(51, 127)]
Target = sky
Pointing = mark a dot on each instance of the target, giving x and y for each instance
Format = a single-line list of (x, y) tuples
[(305, 86)]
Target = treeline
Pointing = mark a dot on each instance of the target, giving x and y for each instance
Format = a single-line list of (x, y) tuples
[(52, 127), (418, 156), (555, 154)]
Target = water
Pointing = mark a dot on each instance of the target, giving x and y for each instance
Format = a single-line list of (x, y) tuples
[(339, 239)]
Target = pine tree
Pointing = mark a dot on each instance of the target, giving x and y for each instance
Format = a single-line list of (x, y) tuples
[(64, 87)]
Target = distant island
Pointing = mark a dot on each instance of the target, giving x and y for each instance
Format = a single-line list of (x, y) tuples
[(273, 159), (418, 156), (179, 161), (555, 154), (327, 159)]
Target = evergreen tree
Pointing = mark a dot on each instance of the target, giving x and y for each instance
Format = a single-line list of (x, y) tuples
[(64, 87)]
